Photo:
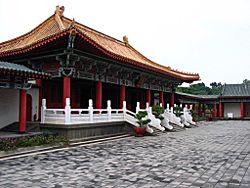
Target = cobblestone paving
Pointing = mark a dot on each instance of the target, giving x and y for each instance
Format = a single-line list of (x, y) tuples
[(215, 154)]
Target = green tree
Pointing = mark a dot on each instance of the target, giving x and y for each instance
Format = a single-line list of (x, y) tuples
[(216, 88), (246, 81), (202, 89)]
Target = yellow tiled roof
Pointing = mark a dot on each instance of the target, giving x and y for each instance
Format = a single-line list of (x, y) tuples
[(56, 25)]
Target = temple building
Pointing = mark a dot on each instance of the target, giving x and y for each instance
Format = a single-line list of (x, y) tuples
[(233, 102), (16, 94), (84, 64)]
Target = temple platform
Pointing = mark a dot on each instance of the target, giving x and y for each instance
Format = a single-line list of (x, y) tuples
[(88, 131)]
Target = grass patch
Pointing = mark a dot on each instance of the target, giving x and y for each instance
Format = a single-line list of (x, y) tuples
[(7, 144)]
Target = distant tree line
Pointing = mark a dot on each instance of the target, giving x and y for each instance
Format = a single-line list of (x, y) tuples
[(202, 89), (246, 81)]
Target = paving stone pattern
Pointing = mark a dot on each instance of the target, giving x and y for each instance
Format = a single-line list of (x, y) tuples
[(216, 154)]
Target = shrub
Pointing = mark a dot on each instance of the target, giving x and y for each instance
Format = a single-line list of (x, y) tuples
[(141, 117), (157, 110), (29, 141), (177, 110)]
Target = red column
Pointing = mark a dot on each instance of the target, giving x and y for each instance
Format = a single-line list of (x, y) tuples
[(122, 95), (194, 107), (220, 109), (215, 109), (39, 84), (22, 110), (162, 98), (242, 111), (200, 109), (98, 94), (172, 100), (66, 89), (149, 96)]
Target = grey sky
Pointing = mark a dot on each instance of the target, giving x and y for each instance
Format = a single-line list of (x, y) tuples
[(210, 37)]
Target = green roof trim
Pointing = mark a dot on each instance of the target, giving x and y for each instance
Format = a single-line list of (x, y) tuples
[(19, 68), (198, 96)]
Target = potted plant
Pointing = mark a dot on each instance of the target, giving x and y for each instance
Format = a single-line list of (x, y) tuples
[(177, 110), (157, 110), (142, 121)]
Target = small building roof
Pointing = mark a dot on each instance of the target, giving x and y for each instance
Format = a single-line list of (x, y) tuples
[(57, 25), (235, 90), (7, 68), (198, 96)]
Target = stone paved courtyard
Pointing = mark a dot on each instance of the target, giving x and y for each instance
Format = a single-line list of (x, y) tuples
[(216, 154)]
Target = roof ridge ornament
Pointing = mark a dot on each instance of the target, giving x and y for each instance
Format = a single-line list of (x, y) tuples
[(59, 10), (58, 15), (72, 23), (125, 40), (72, 28)]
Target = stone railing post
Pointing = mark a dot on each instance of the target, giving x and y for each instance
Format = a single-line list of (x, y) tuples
[(124, 109), (137, 107), (67, 111), (147, 107), (109, 110), (91, 112), (43, 112), (185, 111), (167, 107), (172, 110)]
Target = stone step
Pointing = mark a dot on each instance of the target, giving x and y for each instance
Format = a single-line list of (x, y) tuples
[(30, 127)]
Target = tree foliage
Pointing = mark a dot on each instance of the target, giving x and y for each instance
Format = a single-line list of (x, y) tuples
[(246, 81), (202, 89)]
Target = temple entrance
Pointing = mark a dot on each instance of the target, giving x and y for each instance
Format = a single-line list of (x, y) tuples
[(134, 95), (247, 109), (81, 92), (29, 108), (111, 92)]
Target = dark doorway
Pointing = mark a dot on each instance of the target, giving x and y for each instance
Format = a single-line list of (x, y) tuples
[(29, 108), (247, 109)]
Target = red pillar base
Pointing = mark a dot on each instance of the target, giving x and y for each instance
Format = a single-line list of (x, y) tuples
[(122, 95), (242, 110), (98, 95), (162, 98), (215, 110), (194, 107), (220, 110), (172, 100), (200, 109), (66, 89), (149, 97)]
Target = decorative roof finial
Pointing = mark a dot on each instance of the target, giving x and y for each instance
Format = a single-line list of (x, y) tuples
[(72, 24), (125, 40), (58, 15), (59, 10)]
